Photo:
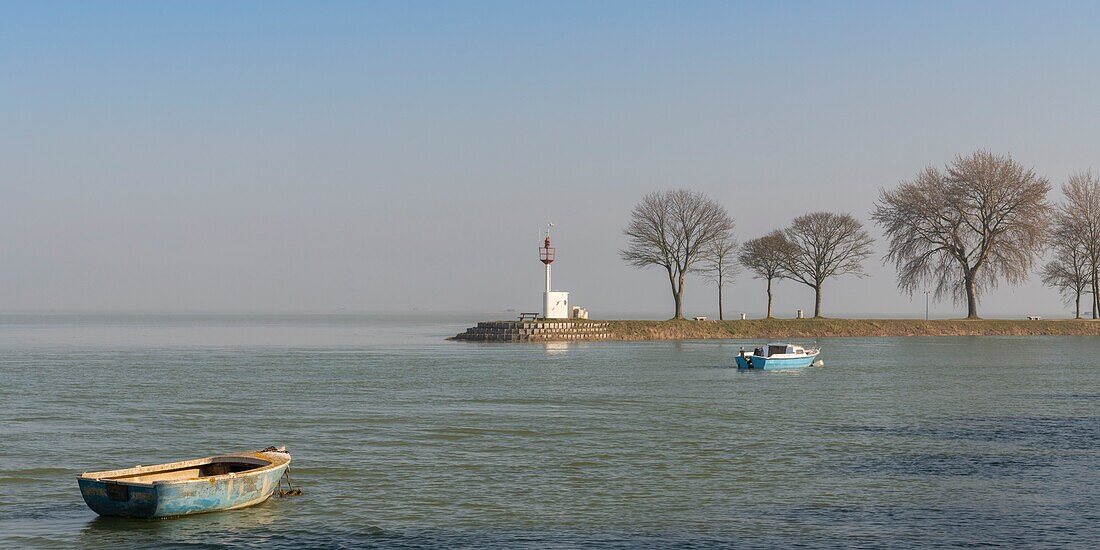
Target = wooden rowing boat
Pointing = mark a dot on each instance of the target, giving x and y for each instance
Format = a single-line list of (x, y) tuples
[(214, 483)]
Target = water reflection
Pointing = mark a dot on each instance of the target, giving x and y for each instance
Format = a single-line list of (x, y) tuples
[(255, 521), (555, 348)]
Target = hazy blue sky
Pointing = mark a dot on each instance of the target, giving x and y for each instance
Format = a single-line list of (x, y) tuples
[(385, 156)]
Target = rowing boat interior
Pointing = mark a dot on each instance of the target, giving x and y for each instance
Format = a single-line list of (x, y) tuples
[(182, 471)]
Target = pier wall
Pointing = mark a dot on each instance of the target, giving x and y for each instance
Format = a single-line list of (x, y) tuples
[(535, 331)]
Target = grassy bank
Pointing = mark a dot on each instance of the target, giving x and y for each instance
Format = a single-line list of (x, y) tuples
[(820, 328)]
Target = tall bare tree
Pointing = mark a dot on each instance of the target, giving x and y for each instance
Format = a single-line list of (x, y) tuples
[(824, 245), (719, 264), (964, 229), (1069, 272), (764, 257), (672, 229), (1082, 204)]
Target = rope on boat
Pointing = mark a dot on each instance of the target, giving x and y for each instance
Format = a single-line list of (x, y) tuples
[(291, 491)]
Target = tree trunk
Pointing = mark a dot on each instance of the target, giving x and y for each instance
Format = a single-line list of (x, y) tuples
[(679, 313), (769, 298), (971, 298), (817, 301), (1095, 292), (1077, 305), (675, 293), (680, 297), (720, 318)]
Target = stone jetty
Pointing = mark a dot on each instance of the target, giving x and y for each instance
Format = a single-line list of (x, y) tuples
[(536, 331)]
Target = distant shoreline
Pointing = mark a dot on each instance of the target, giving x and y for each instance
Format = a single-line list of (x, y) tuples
[(844, 328), (771, 329), (793, 329)]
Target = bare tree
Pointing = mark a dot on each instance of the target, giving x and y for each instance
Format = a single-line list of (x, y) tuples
[(719, 264), (963, 230), (672, 230), (764, 257), (1069, 272), (1082, 204), (823, 245)]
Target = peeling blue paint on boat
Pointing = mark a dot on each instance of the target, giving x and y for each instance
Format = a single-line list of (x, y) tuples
[(179, 497)]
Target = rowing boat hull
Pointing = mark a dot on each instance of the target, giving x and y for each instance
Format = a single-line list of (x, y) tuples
[(161, 499)]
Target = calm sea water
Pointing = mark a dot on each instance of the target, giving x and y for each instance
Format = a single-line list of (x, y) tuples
[(402, 439)]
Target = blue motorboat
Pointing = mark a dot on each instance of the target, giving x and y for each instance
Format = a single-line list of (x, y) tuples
[(214, 483), (777, 356)]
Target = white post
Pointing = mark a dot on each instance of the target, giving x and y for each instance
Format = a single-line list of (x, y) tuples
[(546, 295)]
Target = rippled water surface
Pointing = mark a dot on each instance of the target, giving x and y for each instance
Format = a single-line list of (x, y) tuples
[(402, 439)]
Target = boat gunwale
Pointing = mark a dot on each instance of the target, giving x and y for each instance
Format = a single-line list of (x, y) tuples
[(272, 460)]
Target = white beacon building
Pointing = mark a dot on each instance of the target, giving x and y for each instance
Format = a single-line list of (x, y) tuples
[(555, 305)]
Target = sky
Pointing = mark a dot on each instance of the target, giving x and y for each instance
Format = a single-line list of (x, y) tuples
[(400, 156)]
